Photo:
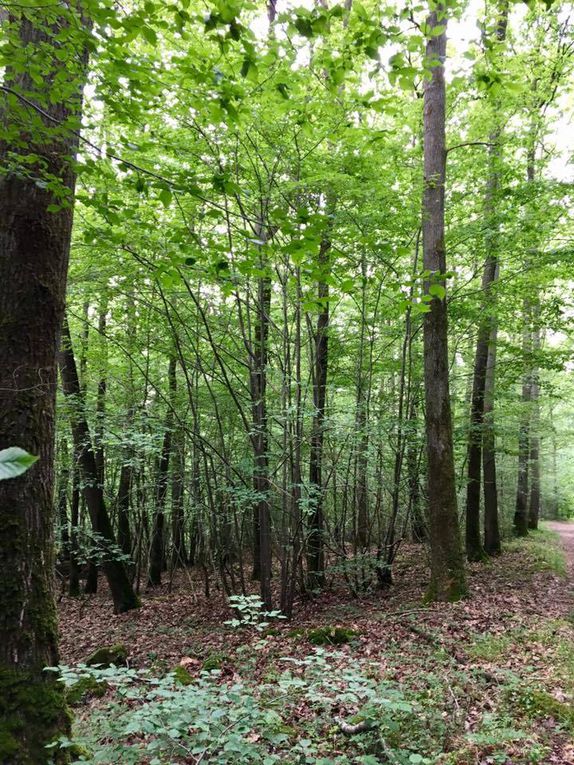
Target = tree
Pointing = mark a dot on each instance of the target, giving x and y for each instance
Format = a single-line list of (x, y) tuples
[(122, 591), (39, 118), (484, 358), (448, 580)]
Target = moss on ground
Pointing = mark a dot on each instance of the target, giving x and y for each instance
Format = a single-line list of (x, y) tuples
[(330, 635), (108, 655)]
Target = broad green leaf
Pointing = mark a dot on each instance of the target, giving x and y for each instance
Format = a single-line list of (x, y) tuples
[(14, 461)]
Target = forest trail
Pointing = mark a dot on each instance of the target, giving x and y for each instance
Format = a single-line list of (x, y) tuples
[(566, 531)]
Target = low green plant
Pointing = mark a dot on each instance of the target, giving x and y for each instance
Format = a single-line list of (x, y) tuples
[(251, 613), (213, 662), (544, 549), (160, 721)]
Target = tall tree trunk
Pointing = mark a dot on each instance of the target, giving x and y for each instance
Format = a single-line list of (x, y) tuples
[(448, 576), (179, 555), (260, 441), (521, 508), (121, 589), (492, 544), (157, 548), (418, 521), (362, 536), (534, 500), (35, 230), (320, 339), (474, 548), (123, 507), (74, 583)]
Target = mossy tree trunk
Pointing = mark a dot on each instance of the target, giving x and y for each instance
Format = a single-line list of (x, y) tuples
[(35, 231)]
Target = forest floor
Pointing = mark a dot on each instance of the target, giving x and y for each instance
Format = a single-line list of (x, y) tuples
[(491, 677)]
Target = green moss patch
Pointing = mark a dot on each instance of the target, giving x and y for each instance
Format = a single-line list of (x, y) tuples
[(330, 635), (214, 661), (33, 712), (84, 689), (108, 655)]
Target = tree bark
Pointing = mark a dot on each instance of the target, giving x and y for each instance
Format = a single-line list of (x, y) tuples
[(492, 544), (534, 500), (448, 577), (157, 548), (121, 589), (35, 231), (315, 547)]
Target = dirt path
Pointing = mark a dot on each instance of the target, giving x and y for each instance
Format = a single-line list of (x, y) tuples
[(566, 531)]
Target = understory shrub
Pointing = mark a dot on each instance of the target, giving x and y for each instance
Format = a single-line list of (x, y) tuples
[(294, 719)]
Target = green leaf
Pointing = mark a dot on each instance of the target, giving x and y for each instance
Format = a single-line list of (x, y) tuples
[(14, 461), (437, 290), (165, 196)]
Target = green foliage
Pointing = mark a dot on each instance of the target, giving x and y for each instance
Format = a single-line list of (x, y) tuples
[(539, 704), (160, 719), (545, 549), (250, 613), (15, 461), (213, 662), (181, 675), (86, 687)]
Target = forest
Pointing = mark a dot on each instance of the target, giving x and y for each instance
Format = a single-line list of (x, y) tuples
[(286, 382)]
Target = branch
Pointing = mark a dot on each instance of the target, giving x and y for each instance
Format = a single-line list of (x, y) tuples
[(470, 143)]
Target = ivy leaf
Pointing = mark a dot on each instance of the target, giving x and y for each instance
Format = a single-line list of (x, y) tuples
[(15, 461)]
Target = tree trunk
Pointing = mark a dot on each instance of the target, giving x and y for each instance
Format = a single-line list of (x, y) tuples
[(315, 548), (35, 230), (448, 577), (123, 506), (157, 548), (122, 592), (260, 441), (521, 509), (534, 501), (491, 525)]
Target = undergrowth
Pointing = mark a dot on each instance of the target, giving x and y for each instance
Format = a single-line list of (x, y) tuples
[(500, 697)]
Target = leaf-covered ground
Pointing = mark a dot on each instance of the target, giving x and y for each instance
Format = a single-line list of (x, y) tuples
[(492, 677)]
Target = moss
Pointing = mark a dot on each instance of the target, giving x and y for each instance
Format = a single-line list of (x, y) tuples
[(490, 647), (540, 704), (33, 713), (108, 655), (85, 688), (213, 661), (330, 635), (297, 632), (182, 676)]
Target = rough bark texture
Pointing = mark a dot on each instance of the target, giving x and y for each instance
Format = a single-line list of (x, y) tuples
[(157, 549), (448, 580), (534, 500), (315, 547), (474, 548), (122, 591), (491, 525), (34, 249), (521, 509), (260, 442)]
